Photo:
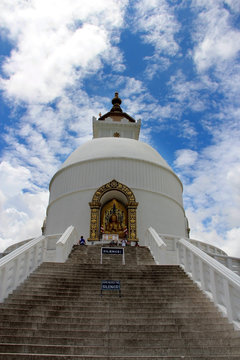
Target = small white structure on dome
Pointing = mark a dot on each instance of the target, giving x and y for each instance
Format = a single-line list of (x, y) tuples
[(116, 184), (116, 123)]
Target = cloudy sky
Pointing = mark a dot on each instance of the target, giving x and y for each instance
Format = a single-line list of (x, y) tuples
[(176, 66)]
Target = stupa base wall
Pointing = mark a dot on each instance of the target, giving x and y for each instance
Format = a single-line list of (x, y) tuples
[(157, 210)]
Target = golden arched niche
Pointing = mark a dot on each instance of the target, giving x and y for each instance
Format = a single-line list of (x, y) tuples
[(131, 206)]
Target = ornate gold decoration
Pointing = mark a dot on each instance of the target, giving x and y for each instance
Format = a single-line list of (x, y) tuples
[(95, 210), (114, 218)]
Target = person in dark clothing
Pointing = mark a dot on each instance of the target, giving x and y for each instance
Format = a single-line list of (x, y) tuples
[(82, 241)]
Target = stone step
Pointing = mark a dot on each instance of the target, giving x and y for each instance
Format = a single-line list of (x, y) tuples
[(151, 284), (110, 320), (153, 288), (128, 289), (58, 313), (118, 341), (106, 308), (127, 295), (143, 336), (147, 270), (107, 304), (79, 357), (98, 327), (116, 350), (133, 272), (75, 277), (17, 356), (137, 283), (176, 307), (74, 333), (83, 320), (113, 326), (146, 316)]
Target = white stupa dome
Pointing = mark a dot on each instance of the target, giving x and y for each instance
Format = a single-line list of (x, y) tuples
[(115, 165), (108, 147)]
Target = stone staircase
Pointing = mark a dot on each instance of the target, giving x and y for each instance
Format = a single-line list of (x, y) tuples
[(58, 313)]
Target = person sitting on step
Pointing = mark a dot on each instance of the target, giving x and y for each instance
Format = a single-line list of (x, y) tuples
[(82, 241)]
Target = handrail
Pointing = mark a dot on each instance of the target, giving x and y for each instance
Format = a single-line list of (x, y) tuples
[(230, 262), (209, 248), (65, 243), (218, 282), (17, 265), (156, 245)]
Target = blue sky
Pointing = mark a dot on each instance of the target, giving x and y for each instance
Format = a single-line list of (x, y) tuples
[(176, 66)]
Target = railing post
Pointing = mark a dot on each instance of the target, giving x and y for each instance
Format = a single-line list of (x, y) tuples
[(185, 259), (16, 272), (193, 266), (3, 282), (202, 277), (213, 285), (229, 263), (227, 300)]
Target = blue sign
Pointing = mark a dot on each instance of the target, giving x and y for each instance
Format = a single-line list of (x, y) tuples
[(111, 285)]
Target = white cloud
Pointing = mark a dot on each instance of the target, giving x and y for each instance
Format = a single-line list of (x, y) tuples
[(56, 44), (46, 135), (216, 53), (21, 213), (185, 157), (46, 72), (189, 93), (187, 130), (232, 246), (217, 40), (155, 21), (132, 87), (212, 188), (234, 5), (13, 179), (156, 64)]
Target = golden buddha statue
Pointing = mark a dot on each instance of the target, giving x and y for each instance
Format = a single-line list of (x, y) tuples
[(114, 225), (113, 219)]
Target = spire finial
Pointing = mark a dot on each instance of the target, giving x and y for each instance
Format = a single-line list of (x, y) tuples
[(116, 101)]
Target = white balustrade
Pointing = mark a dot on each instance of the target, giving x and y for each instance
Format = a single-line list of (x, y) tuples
[(16, 266), (171, 241), (156, 245), (65, 244), (228, 261), (220, 284)]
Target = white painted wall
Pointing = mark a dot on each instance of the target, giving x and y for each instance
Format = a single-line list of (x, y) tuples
[(137, 165), (73, 189), (109, 126), (135, 173)]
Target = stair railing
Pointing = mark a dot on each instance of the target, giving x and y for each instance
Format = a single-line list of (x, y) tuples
[(219, 283), (65, 243), (156, 245), (230, 262), (171, 241), (16, 266)]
